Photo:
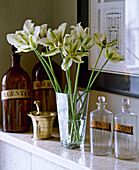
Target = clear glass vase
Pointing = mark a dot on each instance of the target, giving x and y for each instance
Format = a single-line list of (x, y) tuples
[(72, 117)]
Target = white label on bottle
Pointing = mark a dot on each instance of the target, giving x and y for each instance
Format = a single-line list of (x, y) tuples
[(45, 84), (15, 94)]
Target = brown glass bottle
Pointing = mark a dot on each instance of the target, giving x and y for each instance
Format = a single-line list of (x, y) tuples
[(42, 88), (16, 97)]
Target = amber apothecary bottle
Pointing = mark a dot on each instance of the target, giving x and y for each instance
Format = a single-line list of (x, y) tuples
[(42, 88), (16, 97)]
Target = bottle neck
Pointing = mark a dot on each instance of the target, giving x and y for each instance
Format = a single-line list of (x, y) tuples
[(101, 106), (125, 110), (15, 60)]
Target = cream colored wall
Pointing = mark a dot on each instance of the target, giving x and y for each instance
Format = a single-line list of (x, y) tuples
[(64, 11), (12, 16)]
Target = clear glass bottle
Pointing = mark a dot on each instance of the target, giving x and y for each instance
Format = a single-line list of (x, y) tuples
[(125, 133), (101, 129), (16, 97)]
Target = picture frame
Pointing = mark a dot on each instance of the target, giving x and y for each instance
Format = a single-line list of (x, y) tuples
[(122, 84)]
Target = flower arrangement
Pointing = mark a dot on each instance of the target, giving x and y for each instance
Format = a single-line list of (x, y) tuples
[(72, 47)]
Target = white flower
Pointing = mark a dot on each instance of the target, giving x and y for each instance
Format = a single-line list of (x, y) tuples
[(112, 55), (83, 35), (101, 40), (18, 42), (72, 46), (60, 32), (71, 53), (54, 40), (28, 27), (43, 31), (27, 39)]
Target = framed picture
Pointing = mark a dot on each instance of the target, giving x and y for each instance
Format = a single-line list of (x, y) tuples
[(119, 21)]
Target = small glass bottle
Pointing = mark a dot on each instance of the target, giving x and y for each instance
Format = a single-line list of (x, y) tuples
[(16, 97), (101, 129), (125, 133)]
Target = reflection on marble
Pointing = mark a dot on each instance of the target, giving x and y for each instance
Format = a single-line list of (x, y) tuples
[(52, 151)]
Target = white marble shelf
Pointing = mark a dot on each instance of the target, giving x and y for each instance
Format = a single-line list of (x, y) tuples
[(51, 150)]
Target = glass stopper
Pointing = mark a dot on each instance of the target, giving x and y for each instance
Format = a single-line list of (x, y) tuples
[(125, 102), (101, 99)]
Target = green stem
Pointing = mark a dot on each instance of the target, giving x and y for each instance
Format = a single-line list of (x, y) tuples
[(54, 77), (46, 69), (76, 81), (97, 74), (50, 61), (94, 68), (70, 91), (50, 69), (56, 82), (75, 89), (69, 85), (77, 136), (86, 91), (80, 111)]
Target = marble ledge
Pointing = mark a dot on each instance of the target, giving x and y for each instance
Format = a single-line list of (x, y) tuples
[(51, 150)]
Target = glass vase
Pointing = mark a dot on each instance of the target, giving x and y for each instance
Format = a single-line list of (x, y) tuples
[(72, 117)]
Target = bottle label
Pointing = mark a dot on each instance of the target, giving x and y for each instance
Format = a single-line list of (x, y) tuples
[(100, 125), (15, 94), (45, 84), (123, 129)]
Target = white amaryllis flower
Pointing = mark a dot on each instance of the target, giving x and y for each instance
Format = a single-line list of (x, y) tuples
[(43, 31), (54, 40), (71, 53), (101, 40), (28, 27), (18, 42), (27, 39), (112, 55), (83, 35), (60, 32)]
